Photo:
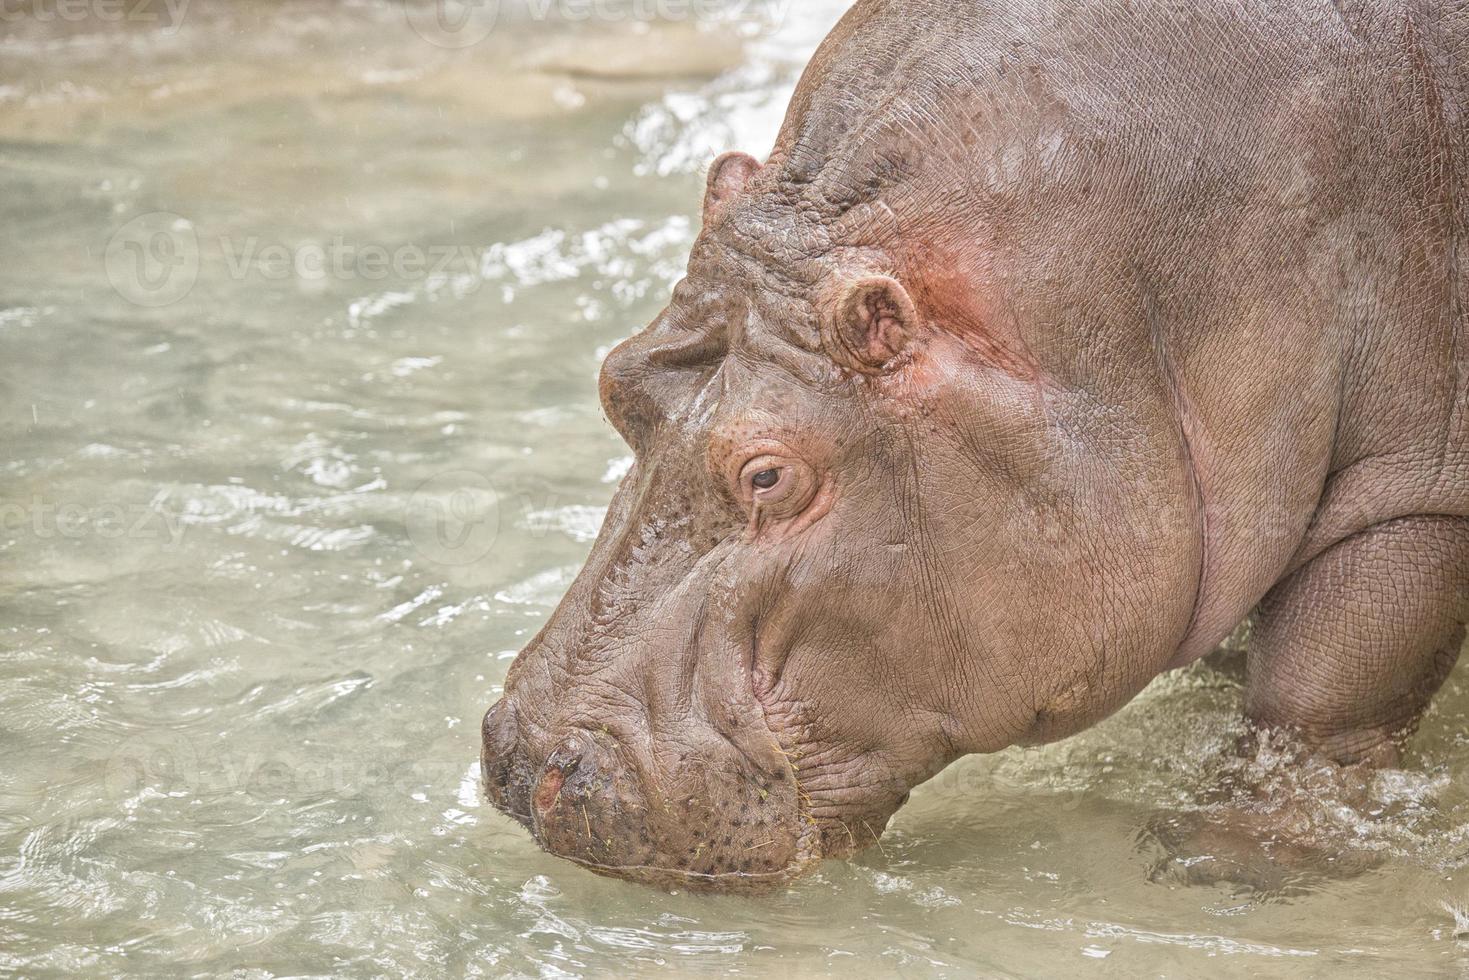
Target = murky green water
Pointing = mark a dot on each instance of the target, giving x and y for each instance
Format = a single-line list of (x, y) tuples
[(300, 317)]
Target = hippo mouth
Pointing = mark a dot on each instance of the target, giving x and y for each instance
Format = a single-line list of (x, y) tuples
[(735, 820), (722, 882)]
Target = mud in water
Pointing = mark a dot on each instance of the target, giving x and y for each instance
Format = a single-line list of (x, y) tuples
[(301, 308)]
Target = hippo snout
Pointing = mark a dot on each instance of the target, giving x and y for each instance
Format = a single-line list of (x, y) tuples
[(580, 799), (579, 777), (700, 819)]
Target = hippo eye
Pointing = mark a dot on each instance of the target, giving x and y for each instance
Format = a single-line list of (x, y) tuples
[(765, 481), (776, 486)]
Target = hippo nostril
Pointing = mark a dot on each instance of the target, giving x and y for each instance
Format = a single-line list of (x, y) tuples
[(566, 757)]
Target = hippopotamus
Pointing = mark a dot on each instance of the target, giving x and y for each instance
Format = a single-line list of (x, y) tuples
[(1051, 342)]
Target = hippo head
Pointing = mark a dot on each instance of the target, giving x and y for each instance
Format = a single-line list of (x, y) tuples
[(829, 572)]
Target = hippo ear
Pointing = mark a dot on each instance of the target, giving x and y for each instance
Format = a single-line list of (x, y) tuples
[(870, 323), (728, 176)]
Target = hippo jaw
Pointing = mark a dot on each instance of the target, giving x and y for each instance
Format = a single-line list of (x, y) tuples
[(583, 806), (627, 785), (736, 817)]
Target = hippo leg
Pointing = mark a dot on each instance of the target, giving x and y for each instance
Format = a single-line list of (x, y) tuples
[(1346, 653), (1348, 650)]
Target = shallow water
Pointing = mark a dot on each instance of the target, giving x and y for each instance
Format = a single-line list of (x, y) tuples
[(301, 307)]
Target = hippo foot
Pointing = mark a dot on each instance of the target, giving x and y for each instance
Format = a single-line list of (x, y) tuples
[(1274, 822), (1248, 851)]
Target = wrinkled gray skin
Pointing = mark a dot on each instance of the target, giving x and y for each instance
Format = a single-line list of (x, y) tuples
[(1068, 335)]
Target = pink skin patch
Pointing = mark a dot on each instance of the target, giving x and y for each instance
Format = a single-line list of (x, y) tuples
[(548, 790)]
